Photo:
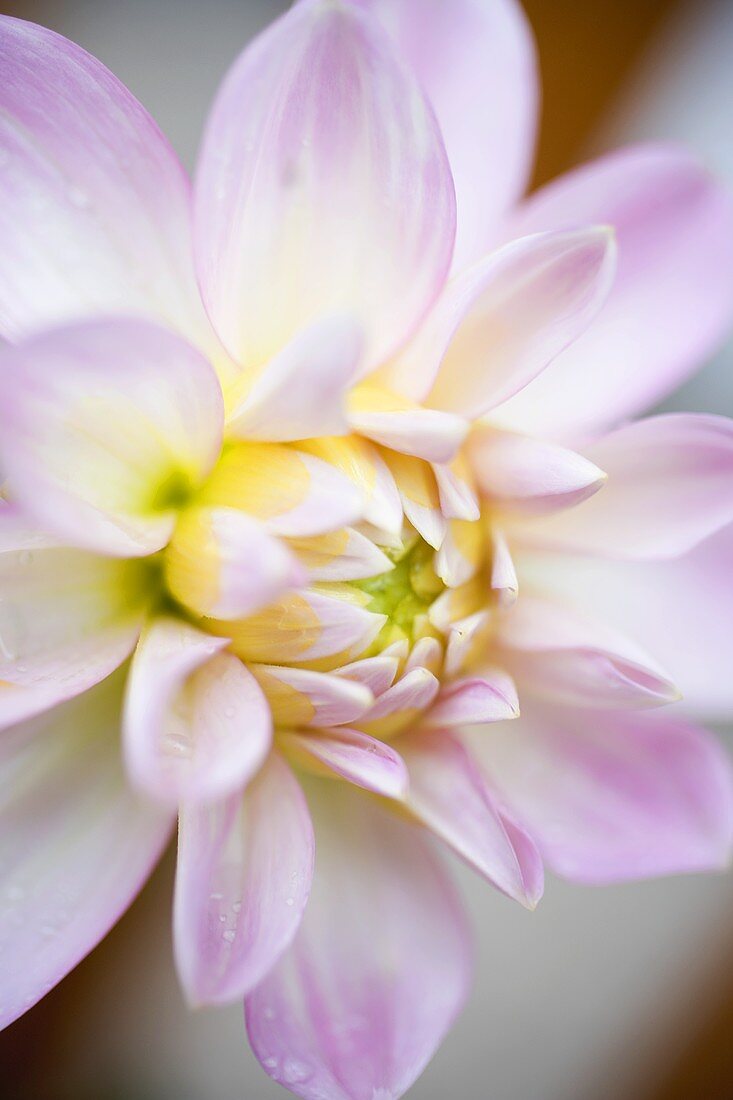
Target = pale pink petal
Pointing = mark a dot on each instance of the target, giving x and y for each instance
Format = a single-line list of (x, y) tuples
[(244, 873), (474, 701), (457, 498), (224, 564), (376, 673), (424, 433), (103, 426), (681, 612), (196, 724), (561, 655), (304, 625), (476, 61), (427, 653), (355, 756), (610, 797), (301, 392), (332, 501), (334, 699), (498, 325), (448, 795), (672, 300), (344, 555), (380, 966), (76, 843), (525, 476), (504, 582), (94, 205), (414, 691), (670, 485), (461, 637), (323, 186), (67, 620)]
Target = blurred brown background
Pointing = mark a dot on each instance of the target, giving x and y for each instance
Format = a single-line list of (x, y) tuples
[(602, 994)]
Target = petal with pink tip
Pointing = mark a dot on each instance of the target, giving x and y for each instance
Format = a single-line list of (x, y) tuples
[(376, 673), (681, 611), (402, 426), (358, 1005), (301, 697), (94, 205), (475, 701), (302, 626), (463, 635), (301, 392), (670, 485), (224, 564), (414, 691), (526, 476), (457, 496), (499, 324), (558, 654), (448, 795), (427, 653), (67, 620), (196, 724), (612, 797), (103, 427), (418, 491), (244, 872), (672, 299), (343, 555), (504, 582), (355, 756), (293, 493), (323, 186), (476, 61), (76, 843)]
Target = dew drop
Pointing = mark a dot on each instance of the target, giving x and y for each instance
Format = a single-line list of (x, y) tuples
[(237, 907), (229, 935), (294, 1072), (270, 1063), (290, 901), (269, 1013)]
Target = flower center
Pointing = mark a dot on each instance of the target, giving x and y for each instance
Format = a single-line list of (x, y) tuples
[(406, 593)]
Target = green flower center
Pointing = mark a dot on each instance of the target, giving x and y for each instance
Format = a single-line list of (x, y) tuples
[(406, 593)]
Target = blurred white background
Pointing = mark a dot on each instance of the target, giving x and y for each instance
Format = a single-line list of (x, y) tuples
[(579, 1000)]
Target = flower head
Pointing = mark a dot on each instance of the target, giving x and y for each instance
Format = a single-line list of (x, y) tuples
[(314, 477)]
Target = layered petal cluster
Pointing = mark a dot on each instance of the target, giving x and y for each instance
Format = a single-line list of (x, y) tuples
[(317, 471)]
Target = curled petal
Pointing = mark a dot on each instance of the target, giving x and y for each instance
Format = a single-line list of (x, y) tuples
[(292, 493), (355, 756), (564, 656), (222, 563), (301, 393), (76, 843), (358, 1005), (610, 797), (343, 555), (526, 476), (301, 697), (302, 626), (672, 299), (449, 796), (679, 610), (196, 724), (498, 325), (104, 427), (318, 119), (376, 673), (474, 701), (670, 485), (402, 426), (245, 865)]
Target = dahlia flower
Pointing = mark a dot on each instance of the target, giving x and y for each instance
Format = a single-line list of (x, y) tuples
[(313, 473)]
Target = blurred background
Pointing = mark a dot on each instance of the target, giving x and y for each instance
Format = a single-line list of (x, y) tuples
[(623, 992)]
